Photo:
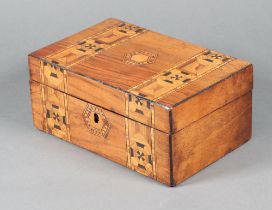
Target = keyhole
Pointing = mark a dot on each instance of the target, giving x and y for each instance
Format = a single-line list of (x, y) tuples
[(96, 118)]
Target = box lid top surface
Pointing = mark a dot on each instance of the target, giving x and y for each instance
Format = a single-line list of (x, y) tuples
[(141, 62)]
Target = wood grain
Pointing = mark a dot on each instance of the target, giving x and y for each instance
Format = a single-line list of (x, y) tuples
[(94, 92), (113, 147), (84, 132), (121, 60), (210, 138), (160, 106), (109, 65), (71, 40), (212, 98), (37, 105), (201, 85)]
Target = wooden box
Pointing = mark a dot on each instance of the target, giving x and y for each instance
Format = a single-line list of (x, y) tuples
[(157, 105)]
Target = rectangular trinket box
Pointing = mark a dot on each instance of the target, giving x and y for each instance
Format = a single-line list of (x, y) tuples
[(157, 105)]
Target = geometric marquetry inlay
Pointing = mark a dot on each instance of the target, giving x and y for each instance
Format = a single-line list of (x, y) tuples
[(141, 157), (140, 99), (95, 44), (180, 75), (140, 57), (96, 121)]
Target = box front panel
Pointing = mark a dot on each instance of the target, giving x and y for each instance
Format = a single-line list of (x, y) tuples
[(127, 142)]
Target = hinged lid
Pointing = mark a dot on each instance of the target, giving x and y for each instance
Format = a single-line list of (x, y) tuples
[(140, 74)]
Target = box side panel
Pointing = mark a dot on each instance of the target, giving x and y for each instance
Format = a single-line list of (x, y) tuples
[(37, 105), (212, 98), (211, 137), (127, 142), (34, 66)]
